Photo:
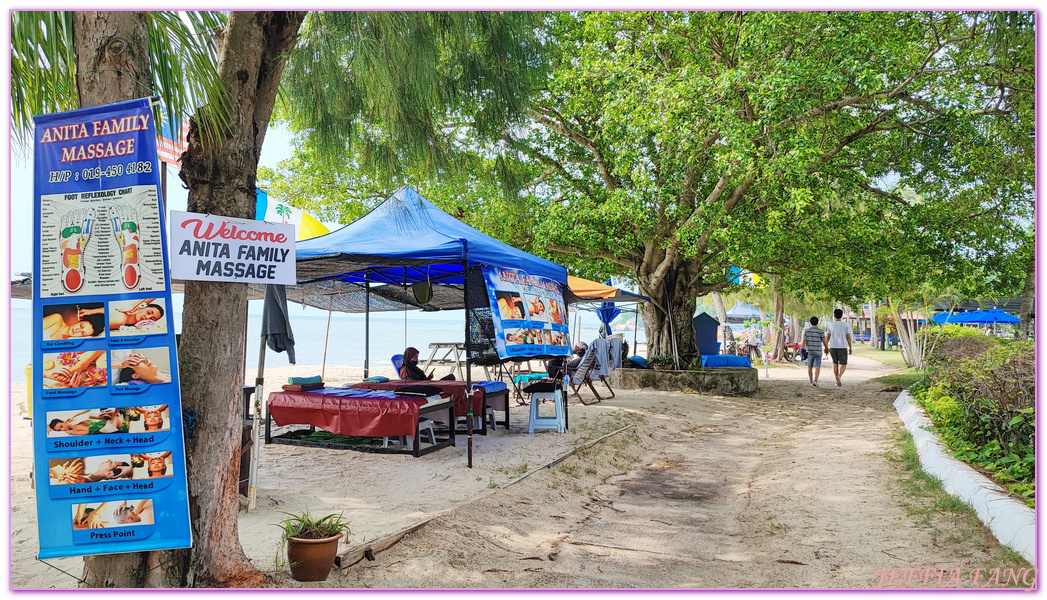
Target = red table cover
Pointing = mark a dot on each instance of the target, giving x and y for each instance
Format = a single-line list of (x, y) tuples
[(455, 388), (347, 411)]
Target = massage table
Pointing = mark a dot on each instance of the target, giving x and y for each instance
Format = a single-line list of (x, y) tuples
[(358, 412), (494, 394)]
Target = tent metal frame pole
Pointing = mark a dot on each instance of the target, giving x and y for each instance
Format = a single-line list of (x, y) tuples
[(367, 324), (468, 370)]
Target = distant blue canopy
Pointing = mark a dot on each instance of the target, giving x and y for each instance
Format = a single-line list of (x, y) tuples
[(980, 317), (742, 311), (608, 311), (407, 239)]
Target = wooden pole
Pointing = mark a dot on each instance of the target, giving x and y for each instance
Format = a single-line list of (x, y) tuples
[(327, 336), (256, 428)]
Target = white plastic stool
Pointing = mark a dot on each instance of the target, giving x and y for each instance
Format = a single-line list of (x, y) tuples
[(555, 422), (408, 440), (478, 422)]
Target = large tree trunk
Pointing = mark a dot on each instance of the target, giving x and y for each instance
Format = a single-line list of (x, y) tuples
[(221, 180), (112, 56), (679, 300), (1027, 312), (112, 65)]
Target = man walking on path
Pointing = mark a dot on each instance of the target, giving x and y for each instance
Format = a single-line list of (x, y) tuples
[(814, 341), (839, 339)]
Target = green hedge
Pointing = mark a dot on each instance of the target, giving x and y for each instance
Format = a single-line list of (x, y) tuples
[(980, 395)]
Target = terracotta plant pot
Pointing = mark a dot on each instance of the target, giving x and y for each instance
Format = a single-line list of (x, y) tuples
[(311, 560)]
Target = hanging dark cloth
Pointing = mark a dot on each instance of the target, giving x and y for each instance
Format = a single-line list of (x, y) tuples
[(276, 325)]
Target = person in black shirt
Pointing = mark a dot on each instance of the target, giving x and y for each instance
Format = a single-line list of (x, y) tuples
[(411, 371)]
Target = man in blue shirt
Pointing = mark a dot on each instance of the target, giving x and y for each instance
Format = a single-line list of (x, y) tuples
[(814, 342)]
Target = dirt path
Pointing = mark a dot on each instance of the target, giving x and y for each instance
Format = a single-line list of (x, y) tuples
[(786, 489)]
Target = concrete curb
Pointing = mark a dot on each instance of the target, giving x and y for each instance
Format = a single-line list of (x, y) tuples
[(1011, 521)]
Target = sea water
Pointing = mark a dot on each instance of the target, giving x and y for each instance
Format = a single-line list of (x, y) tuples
[(390, 333)]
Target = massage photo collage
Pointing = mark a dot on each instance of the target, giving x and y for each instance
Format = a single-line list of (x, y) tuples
[(74, 348)]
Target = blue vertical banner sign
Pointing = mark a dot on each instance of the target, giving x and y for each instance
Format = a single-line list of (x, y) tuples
[(529, 314), (108, 444)]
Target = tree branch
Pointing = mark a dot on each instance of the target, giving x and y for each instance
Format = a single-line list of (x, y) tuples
[(605, 254), (559, 125), (854, 136), (893, 197)]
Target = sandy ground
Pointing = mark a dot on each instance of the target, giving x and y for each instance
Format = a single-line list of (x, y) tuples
[(789, 488)]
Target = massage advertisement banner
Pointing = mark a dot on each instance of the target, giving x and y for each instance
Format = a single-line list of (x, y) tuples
[(214, 248), (530, 317), (109, 457)]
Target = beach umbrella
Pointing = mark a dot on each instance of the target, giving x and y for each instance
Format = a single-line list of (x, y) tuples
[(946, 318), (995, 315), (607, 312)]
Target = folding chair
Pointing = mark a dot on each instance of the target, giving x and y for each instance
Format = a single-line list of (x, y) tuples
[(582, 376), (398, 362)]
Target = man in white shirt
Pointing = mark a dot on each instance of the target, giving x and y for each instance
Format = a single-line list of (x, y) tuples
[(839, 337)]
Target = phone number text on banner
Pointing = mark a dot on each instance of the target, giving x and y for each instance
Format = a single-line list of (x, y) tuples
[(530, 318), (107, 419)]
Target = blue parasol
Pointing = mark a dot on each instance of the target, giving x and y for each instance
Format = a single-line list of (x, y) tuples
[(989, 317), (980, 317), (607, 312)]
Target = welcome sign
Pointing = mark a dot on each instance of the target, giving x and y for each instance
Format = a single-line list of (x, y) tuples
[(108, 443), (530, 317), (214, 248)]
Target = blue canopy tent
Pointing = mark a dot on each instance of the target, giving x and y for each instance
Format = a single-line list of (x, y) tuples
[(406, 253), (407, 239)]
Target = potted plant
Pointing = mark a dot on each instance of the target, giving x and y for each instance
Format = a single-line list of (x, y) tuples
[(312, 543), (662, 362)]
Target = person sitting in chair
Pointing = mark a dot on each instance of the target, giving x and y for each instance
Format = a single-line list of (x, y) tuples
[(579, 351), (411, 371)]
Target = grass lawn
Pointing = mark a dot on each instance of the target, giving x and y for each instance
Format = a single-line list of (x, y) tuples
[(889, 358)]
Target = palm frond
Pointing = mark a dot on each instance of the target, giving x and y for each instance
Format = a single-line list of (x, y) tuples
[(43, 69), (183, 58)]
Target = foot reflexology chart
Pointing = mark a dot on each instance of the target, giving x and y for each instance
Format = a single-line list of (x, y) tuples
[(101, 242)]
